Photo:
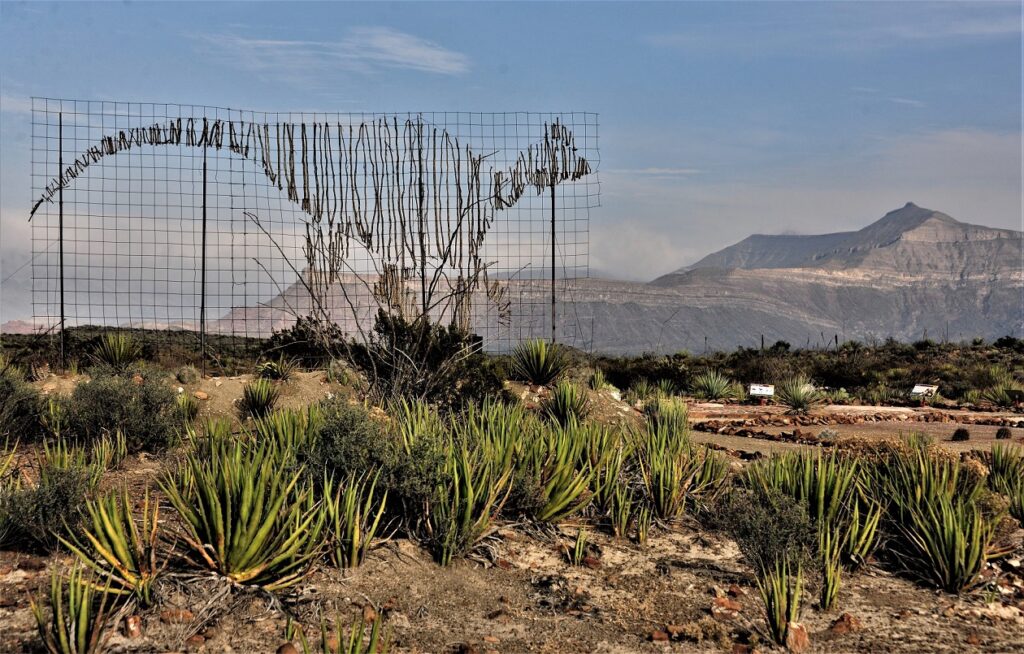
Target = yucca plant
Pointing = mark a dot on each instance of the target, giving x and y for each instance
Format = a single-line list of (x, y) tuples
[(566, 403), (579, 548), (830, 553), (537, 362), (461, 511), (416, 420), (119, 547), (673, 469), (608, 478), (798, 394), (559, 458), (947, 542), (258, 398), (1006, 476), (188, 407), (620, 513), (644, 518), (109, 451), (82, 617), (337, 643), (353, 515), (289, 431), (862, 532), (117, 350), (826, 482), (59, 456), (712, 385), (672, 414), (281, 370), (781, 588), (642, 390), (598, 381), (666, 388), (244, 517)]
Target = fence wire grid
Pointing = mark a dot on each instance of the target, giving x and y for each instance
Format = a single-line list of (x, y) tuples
[(197, 218)]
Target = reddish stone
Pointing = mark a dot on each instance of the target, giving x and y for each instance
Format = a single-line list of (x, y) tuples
[(133, 627), (846, 624), (797, 639), (659, 636)]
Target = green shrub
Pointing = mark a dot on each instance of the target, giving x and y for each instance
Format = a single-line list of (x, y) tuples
[(768, 526), (259, 397), (243, 518), (798, 394), (145, 413), (21, 408), (36, 514), (712, 385), (116, 351), (566, 403), (349, 443), (538, 363), (187, 375)]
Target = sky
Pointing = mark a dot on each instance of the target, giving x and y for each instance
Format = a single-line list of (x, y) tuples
[(717, 120)]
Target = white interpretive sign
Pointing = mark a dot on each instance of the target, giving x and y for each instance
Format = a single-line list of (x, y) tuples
[(924, 390), (762, 390)]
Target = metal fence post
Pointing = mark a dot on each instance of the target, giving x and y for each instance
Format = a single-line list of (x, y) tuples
[(202, 279), (60, 233)]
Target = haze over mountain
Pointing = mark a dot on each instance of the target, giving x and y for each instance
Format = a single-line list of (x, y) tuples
[(914, 272)]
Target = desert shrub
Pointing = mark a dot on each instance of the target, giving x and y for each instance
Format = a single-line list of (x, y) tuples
[(798, 394), (82, 615), (281, 370), (187, 375), (712, 385), (566, 403), (961, 434), (350, 443), (418, 359), (259, 397), (310, 341), (21, 408), (242, 517), (146, 413), (36, 513), (1003, 434), (768, 526), (120, 547), (116, 351), (538, 363)]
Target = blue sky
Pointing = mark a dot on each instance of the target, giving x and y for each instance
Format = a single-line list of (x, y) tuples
[(717, 119)]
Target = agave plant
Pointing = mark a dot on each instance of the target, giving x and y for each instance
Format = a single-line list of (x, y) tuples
[(1006, 476), (119, 547), (798, 394), (559, 458), (642, 390), (598, 381), (712, 385), (117, 350), (281, 370), (188, 407), (672, 414), (537, 362), (781, 588), (353, 515), (462, 508), (567, 403), (337, 642), (81, 620), (289, 431), (830, 551), (416, 420), (673, 469), (579, 548), (243, 516), (258, 398)]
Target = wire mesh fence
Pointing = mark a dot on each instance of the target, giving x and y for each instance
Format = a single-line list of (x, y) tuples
[(236, 223)]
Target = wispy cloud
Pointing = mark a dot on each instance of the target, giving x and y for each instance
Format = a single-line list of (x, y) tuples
[(361, 49), (910, 102), (656, 172), (11, 104)]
